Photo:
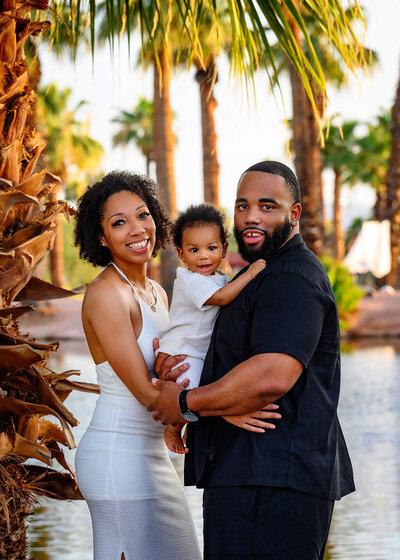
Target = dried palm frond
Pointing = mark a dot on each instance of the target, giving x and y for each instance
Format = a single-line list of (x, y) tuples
[(29, 390)]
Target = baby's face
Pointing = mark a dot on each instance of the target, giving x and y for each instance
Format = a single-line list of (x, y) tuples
[(202, 248)]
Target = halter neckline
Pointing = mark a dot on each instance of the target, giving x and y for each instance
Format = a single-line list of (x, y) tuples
[(153, 306)]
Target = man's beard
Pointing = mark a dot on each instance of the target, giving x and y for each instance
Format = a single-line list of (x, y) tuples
[(271, 244)]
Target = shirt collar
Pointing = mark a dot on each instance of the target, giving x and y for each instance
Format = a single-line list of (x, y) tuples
[(295, 241)]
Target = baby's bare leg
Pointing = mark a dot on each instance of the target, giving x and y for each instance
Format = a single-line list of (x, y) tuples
[(173, 440)]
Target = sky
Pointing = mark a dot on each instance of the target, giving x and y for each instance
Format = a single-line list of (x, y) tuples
[(248, 131)]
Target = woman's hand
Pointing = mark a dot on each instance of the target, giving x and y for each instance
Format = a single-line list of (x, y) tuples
[(255, 421)]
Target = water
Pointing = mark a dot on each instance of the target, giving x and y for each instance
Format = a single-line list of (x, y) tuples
[(366, 524)]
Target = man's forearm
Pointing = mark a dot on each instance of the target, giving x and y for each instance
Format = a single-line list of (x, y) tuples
[(249, 386)]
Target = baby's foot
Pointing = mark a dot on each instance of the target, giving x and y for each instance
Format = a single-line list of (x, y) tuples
[(174, 442)]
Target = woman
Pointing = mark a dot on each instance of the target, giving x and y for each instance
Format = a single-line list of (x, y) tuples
[(136, 500)]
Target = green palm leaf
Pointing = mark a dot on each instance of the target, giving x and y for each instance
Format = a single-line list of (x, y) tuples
[(252, 22)]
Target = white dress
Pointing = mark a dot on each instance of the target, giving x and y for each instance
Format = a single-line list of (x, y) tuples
[(136, 500)]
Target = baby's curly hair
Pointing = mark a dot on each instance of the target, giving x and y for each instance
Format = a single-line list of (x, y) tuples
[(90, 213), (199, 214)]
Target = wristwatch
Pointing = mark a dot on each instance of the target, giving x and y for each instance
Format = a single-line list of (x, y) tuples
[(187, 414)]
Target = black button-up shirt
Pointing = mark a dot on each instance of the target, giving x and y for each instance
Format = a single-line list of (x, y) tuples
[(288, 308)]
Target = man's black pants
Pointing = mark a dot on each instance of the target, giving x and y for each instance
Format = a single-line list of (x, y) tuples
[(264, 523)]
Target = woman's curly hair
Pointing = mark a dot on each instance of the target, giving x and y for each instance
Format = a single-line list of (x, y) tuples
[(90, 213)]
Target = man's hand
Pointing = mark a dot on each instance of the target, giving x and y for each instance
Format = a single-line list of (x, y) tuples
[(166, 405), (165, 363)]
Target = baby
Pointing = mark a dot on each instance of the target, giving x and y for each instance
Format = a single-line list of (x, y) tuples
[(199, 290)]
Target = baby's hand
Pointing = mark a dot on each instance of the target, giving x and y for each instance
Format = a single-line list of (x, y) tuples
[(256, 267)]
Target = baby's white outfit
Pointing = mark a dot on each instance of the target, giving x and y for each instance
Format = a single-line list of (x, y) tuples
[(192, 322)]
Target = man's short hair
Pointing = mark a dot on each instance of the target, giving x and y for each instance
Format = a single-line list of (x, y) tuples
[(277, 168)]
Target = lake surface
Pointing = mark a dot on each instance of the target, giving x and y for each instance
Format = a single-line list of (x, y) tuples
[(366, 524)]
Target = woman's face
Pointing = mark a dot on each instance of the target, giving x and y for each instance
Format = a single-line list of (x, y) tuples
[(129, 230)]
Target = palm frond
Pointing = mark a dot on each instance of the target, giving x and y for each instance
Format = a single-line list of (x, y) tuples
[(252, 25)]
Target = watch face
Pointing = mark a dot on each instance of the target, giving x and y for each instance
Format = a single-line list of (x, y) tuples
[(190, 416)]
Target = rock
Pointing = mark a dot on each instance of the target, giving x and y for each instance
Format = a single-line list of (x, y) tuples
[(377, 315)]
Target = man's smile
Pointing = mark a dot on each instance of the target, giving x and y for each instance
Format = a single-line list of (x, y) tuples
[(252, 236)]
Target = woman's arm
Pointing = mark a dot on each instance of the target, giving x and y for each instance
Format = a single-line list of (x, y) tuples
[(107, 313), (227, 293)]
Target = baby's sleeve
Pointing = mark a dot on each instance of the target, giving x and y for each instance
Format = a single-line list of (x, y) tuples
[(199, 289)]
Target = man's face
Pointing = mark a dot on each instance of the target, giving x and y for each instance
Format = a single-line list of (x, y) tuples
[(264, 215)]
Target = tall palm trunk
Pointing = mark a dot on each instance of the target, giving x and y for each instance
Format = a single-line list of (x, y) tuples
[(338, 244), (380, 205), (164, 142), (308, 160), (206, 80), (392, 210), (148, 161), (57, 273)]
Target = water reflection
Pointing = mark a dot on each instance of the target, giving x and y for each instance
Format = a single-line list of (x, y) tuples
[(365, 524)]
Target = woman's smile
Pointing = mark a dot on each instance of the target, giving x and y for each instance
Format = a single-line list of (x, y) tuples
[(138, 246)]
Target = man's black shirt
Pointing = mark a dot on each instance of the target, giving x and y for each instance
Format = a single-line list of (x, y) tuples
[(288, 308)]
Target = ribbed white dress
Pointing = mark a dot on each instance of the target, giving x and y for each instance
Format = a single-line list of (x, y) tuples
[(136, 500)]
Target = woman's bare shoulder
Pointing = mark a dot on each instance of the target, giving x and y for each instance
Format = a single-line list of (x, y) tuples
[(104, 292)]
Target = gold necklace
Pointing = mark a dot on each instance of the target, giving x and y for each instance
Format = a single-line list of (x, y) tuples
[(152, 302)]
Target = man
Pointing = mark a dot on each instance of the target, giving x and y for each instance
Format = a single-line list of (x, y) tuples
[(268, 495)]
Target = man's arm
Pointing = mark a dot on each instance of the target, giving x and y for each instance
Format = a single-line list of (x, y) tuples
[(250, 386)]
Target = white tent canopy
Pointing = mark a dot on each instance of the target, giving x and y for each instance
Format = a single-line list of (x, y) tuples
[(370, 251)]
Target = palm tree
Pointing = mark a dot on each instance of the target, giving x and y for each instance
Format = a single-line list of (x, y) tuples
[(156, 52), (392, 206), (372, 159), (212, 41), (251, 22), (137, 127), (306, 131), (69, 150), (29, 389), (339, 154)]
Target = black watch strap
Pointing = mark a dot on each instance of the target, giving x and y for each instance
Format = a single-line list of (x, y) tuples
[(186, 413)]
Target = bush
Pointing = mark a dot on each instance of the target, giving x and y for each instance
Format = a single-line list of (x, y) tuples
[(347, 292)]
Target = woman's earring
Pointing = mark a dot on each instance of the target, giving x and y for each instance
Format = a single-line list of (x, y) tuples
[(293, 222)]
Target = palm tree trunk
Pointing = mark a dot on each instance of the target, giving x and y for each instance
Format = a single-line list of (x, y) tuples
[(57, 252), (206, 80), (164, 142), (148, 161), (392, 210), (380, 204), (338, 233), (308, 161)]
